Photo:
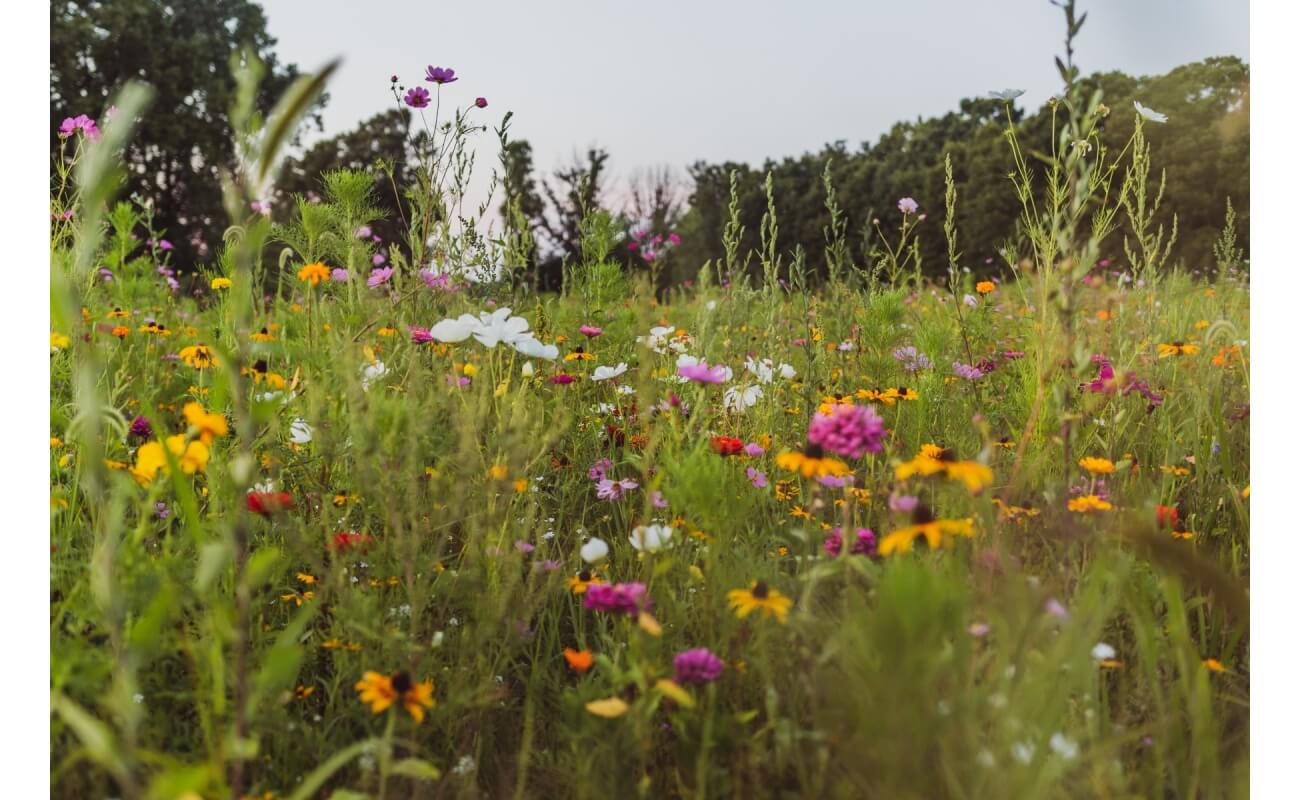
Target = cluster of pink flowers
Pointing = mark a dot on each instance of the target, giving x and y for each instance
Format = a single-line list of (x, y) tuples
[(864, 544), (617, 598), (651, 247), (851, 431), (79, 124), (697, 666)]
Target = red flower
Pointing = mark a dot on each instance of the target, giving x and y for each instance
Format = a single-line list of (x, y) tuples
[(726, 445), (351, 540), (562, 379), (267, 503), (1167, 516)]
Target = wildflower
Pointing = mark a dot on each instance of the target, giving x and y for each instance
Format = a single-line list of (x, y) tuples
[(381, 691), (594, 550), (864, 542), (297, 599), (726, 445), (762, 597), (1088, 503), (1097, 466), (578, 584), (756, 478), (578, 660), (1167, 516), (933, 460), (607, 489), (811, 462), (79, 124), (346, 541), (480, 102), (564, 379), (590, 331), (650, 538), (1150, 114), (440, 75), (314, 273), (701, 372), (263, 335), (58, 341), (697, 666), (1006, 95), (1213, 664), (199, 356), (209, 426), (766, 372), (851, 431), (121, 331), (903, 503), (966, 371), (620, 598), (935, 532), (603, 373), (911, 359), (379, 277), (907, 205), (984, 287), (1177, 349), (141, 429), (150, 458), (580, 355), (268, 503), (417, 97)]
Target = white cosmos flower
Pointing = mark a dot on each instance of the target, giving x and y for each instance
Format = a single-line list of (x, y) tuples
[(371, 373), (1149, 113), (300, 432), (535, 349), (594, 550), (766, 372), (499, 326), (605, 373), (625, 389), (650, 538), (1006, 94), (527, 370), (455, 330), (658, 338), (736, 399)]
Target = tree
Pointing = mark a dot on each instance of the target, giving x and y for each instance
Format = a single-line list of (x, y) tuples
[(183, 48)]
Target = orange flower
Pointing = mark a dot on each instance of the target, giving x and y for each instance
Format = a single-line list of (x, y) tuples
[(579, 660), (314, 273)]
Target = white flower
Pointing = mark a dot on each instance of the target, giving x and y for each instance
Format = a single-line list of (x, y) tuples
[(1148, 113), (1103, 651), (527, 369), (535, 349), (650, 538), (594, 550), (625, 389), (658, 338), (766, 372), (605, 373), (499, 326), (465, 766), (737, 399), (1063, 747), (712, 304), (371, 373), (455, 330), (1006, 94), (265, 487), (1023, 752), (300, 432)]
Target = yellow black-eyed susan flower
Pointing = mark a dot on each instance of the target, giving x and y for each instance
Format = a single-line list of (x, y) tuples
[(578, 584), (812, 462), (1177, 349), (199, 356), (264, 335), (761, 597), (936, 532), (382, 691)]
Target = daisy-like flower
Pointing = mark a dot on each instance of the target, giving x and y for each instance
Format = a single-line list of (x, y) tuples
[(1177, 349), (934, 459), (650, 538), (864, 542), (737, 400), (761, 597), (314, 273), (580, 354), (417, 97), (221, 283), (209, 426), (594, 550), (382, 691), (607, 489), (604, 373), (1006, 95), (578, 660), (590, 331), (701, 372), (812, 462), (936, 532), (585, 579), (1097, 466), (192, 457), (984, 287), (1149, 113), (264, 335), (199, 356), (1086, 504)]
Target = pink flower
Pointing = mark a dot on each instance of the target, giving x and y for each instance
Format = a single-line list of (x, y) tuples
[(81, 123), (339, 275), (851, 431), (703, 373), (864, 542), (420, 335), (612, 490), (590, 331), (758, 479), (754, 449), (698, 666), (618, 598), (379, 277)]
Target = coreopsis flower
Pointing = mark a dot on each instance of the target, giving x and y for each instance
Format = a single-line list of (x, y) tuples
[(629, 599), (1097, 466), (1177, 349), (851, 431), (314, 273), (935, 532), (578, 660), (697, 666), (1088, 503), (985, 287), (382, 691), (812, 462), (199, 356), (221, 283), (209, 426), (761, 597)]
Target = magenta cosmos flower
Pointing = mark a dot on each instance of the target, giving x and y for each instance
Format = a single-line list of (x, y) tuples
[(80, 123), (697, 666), (590, 331), (418, 97), (618, 598), (380, 276), (440, 75), (863, 545), (703, 373), (851, 431)]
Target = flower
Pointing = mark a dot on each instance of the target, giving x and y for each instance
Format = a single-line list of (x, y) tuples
[(578, 660), (209, 426), (619, 598), (736, 399), (812, 462), (697, 666), (594, 550), (935, 532), (984, 287), (578, 584), (1006, 95), (141, 429), (480, 102), (379, 277), (607, 489), (702, 373), (762, 597), (756, 478), (966, 371), (933, 460), (381, 691), (314, 273), (912, 359), (440, 75), (221, 283), (199, 356), (726, 445), (150, 458), (1177, 349), (79, 124), (851, 431), (864, 542), (1097, 466), (1167, 516), (300, 431), (1088, 503), (345, 541), (1151, 114), (372, 372), (907, 205), (417, 97), (603, 373), (765, 371), (267, 503), (590, 331), (650, 538)]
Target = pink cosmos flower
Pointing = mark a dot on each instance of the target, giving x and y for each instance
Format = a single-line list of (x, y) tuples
[(703, 373), (612, 490), (379, 277), (590, 331), (758, 479)]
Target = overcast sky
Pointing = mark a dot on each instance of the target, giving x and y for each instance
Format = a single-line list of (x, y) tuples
[(672, 82)]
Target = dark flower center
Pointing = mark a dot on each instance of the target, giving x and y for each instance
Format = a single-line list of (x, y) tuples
[(265, 332), (585, 576), (946, 454), (259, 365), (814, 450), (759, 591), (922, 515), (401, 682), (902, 390)]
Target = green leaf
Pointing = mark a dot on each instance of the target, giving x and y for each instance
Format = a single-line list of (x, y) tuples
[(416, 768), (260, 565), (96, 736), (213, 558), (288, 113), (334, 763)]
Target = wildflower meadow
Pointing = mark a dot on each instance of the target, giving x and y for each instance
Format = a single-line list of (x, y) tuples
[(335, 514)]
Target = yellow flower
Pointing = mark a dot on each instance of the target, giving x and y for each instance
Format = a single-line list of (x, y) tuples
[(56, 441), (498, 472), (762, 597), (305, 578), (469, 370), (1213, 664), (221, 283), (58, 341), (933, 460), (1097, 466), (314, 273), (118, 313), (210, 426), (387, 330), (578, 584), (150, 458), (521, 485), (1202, 325), (984, 287), (1177, 349), (1245, 493), (263, 335), (812, 463), (381, 691), (1175, 470), (1088, 503), (199, 356), (294, 597), (936, 532)]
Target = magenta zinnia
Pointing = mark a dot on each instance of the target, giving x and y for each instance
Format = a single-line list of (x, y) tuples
[(618, 598), (851, 431), (698, 666)]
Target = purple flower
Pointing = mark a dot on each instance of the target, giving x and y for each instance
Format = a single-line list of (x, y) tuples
[(379, 277), (832, 482), (590, 331), (970, 300), (105, 274), (1054, 607), (851, 431), (912, 359), (907, 205), (674, 238), (966, 371), (618, 598), (758, 479), (378, 258), (436, 280), (81, 123), (165, 245), (607, 489), (524, 547), (362, 232), (703, 373), (160, 508), (600, 469), (420, 335), (657, 500), (262, 207), (697, 666), (480, 102), (417, 97), (864, 545), (549, 565), (754, 449), (903, 503), (141, 429), (339, 275), (440, 75), (457, 380)]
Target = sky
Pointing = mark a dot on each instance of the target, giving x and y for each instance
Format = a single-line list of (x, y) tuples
[(672, 82)]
